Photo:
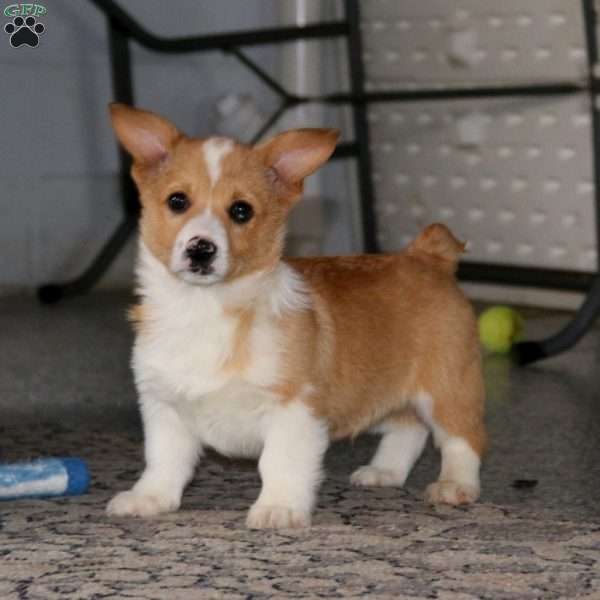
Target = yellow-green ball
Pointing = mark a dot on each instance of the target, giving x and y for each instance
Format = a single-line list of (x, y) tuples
[(499, 328)]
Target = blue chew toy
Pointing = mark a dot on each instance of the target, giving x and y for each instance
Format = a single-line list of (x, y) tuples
[(44, 478)]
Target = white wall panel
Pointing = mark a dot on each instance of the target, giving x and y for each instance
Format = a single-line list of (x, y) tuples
[(511, 175)]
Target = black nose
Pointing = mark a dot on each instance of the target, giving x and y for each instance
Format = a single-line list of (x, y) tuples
[(201, 252)]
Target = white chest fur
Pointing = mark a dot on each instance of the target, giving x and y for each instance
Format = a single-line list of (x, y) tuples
[(186, 339)]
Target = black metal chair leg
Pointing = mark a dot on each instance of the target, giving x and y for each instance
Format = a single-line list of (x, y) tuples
[(525, 353), (361, 129), (52, 292), (123, 91)]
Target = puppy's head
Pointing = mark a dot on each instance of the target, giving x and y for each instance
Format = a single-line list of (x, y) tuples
[(213, 209)]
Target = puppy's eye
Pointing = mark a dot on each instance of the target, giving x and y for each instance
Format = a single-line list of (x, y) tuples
[(241, 212), (178, 202)]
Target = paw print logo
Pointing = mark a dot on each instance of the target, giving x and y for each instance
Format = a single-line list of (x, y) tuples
[(24, 32)]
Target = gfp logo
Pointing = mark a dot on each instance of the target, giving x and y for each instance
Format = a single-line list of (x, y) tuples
[(24, 29)]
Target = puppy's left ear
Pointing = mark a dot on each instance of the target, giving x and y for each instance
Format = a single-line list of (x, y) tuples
[(293, 155)]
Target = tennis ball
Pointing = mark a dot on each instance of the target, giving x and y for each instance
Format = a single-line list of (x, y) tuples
[(499, 328)]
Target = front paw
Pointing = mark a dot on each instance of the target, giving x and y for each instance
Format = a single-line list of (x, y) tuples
[(136, 504), (276, 517)]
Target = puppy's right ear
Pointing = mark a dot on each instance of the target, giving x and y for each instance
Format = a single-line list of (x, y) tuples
[(146, 136)]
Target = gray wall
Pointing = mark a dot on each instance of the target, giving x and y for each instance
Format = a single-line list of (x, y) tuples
[(58, 158)]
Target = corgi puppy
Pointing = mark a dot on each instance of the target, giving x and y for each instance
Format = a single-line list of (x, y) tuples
[(258, 356)]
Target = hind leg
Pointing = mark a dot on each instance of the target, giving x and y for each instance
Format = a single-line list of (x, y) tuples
[(458, 482), (459, 433), (404, 437)]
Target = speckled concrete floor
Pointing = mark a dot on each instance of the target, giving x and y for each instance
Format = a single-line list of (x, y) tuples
[(65, 386)]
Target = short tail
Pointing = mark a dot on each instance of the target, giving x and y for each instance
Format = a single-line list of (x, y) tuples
[(437, 241)]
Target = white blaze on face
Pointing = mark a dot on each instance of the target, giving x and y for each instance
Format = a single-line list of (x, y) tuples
[(214, 150), (205, 226)]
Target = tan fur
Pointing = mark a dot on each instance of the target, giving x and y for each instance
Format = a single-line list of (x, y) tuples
[(382, 329), (394, 319), (239, 357), (406, 416), (136, 315), (439, 246)]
